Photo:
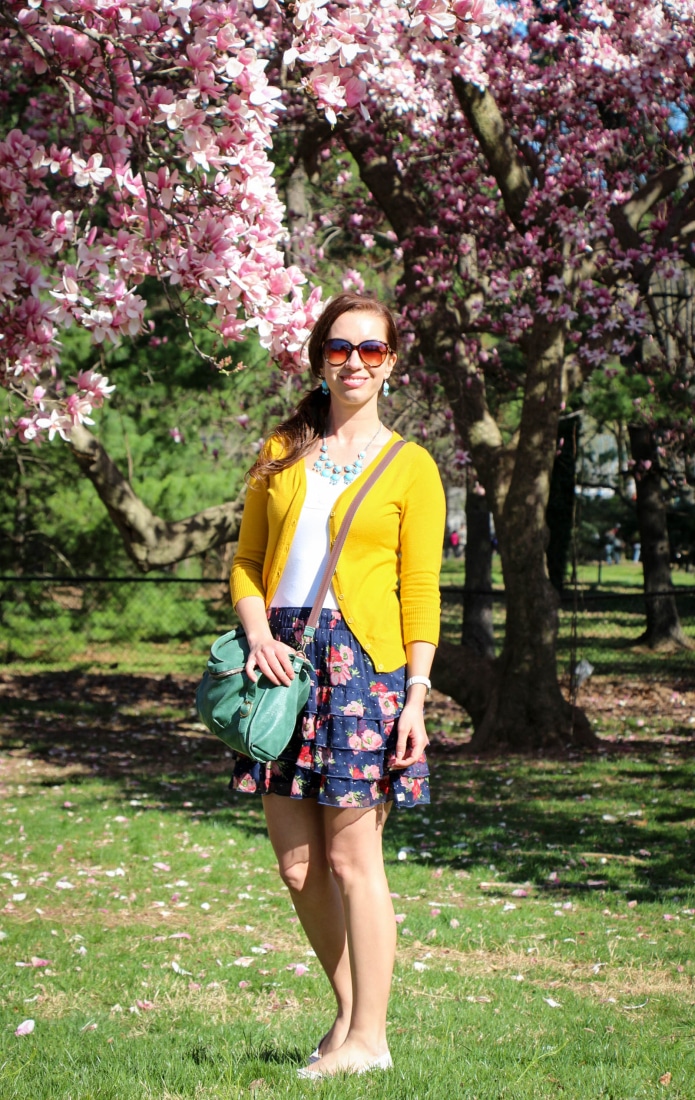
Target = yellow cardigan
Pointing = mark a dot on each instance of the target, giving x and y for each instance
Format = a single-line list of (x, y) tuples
[(387, 580)]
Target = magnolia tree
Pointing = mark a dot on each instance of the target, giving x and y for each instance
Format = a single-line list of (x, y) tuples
[(531, 163), (540, 184), (138, 148)]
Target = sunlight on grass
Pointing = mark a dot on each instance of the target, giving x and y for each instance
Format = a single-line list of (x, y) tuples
[(545, 921)]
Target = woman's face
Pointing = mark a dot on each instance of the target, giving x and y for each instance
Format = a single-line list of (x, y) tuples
[(355, 383)]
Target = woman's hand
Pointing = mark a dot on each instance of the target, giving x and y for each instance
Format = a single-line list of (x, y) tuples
[(266, 653), (273, 659), (412, 736)]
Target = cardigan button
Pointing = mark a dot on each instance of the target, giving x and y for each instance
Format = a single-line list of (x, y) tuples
[(341, 596), (380, 667)]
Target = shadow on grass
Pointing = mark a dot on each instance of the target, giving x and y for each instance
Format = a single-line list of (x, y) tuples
[(622, 821)]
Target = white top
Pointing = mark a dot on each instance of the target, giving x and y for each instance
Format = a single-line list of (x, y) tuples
[(306, 561)]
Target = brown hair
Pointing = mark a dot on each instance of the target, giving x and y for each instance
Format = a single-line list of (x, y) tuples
[(308, 421)]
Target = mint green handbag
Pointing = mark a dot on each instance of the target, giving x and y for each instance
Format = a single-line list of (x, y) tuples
[(258, 719), (254, 719)]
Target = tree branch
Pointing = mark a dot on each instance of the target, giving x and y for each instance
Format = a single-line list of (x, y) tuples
[(488, 125), (149, 540), (656, 189), (627, 216)]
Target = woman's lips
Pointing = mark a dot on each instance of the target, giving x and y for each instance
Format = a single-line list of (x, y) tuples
[(353, 382)]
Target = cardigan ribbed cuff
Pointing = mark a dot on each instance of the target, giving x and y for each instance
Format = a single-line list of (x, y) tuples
[(241, 585), (421, 625)]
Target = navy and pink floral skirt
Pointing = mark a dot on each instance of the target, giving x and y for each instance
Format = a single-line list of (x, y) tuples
[(346, 734)]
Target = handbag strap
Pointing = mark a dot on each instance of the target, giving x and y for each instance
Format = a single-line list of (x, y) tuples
[(314, 614)]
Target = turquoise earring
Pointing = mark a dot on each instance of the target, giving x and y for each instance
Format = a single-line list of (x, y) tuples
[(385, 389), (324, 386)]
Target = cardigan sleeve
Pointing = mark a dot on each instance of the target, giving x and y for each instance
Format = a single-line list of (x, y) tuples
[(247, 567), (423, 519)]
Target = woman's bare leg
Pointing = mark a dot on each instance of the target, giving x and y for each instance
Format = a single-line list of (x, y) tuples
[(296, 830), (354, 847)]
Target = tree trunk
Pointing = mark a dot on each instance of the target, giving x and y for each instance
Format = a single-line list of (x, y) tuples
[(518, 701), (664, 630), (477, 630), (524, 708)]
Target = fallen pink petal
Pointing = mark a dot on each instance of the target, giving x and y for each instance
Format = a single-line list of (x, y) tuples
[(299, 969), (25, 1028)]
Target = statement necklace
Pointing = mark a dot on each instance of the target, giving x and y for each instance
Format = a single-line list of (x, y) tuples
[(325, 465)]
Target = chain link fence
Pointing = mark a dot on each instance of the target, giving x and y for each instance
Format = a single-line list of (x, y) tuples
[(166, 623)]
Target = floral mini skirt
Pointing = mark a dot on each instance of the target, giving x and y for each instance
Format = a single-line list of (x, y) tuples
[(345, 738)]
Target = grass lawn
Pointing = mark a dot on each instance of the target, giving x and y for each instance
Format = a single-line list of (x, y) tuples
[(625, 574), (545, 912)]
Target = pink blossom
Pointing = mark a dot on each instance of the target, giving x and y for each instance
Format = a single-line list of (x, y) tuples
[(89, 171), (299, 969)]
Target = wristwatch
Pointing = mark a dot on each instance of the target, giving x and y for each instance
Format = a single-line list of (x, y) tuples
[(419, 680)]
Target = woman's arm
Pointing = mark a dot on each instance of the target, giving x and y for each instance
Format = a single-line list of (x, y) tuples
[(421, 536), (248, 591), (412, 735)]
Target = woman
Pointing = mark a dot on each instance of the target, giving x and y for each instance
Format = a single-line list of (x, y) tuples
[(359, 743)]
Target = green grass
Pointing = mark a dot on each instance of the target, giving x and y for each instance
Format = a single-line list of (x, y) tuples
[(589, 575), (166, 628), (132, 885), (602, 623)]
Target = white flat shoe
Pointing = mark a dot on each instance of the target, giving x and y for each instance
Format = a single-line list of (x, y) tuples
[(383, 1062), (316, 1054)]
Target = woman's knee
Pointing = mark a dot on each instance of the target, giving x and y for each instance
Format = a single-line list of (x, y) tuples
[(354, 852), (351, 869), (300, 874)]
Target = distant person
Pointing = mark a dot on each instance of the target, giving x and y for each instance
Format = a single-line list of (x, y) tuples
[(618, 546), (613, 546), (636, 551), (454, 543)]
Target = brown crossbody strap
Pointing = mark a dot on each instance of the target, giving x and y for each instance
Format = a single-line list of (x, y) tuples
[(312, 622)]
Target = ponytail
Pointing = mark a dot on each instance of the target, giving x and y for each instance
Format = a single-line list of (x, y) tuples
[(297, 435)]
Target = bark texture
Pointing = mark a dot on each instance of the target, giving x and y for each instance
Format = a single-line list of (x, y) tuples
[(477, 630)]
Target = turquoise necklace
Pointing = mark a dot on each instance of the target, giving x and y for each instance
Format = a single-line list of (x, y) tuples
[(325, 465)]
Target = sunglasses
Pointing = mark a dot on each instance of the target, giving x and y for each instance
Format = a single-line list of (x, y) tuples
[(372, 352)]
